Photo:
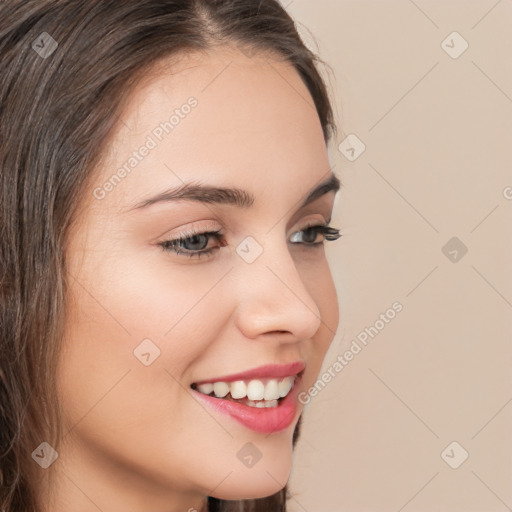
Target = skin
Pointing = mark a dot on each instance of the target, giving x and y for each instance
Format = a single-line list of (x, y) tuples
[(136, 439)]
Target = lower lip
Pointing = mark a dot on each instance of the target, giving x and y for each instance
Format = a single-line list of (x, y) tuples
[(266, 420)]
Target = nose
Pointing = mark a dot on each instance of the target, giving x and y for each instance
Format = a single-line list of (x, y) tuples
[(272, 296)]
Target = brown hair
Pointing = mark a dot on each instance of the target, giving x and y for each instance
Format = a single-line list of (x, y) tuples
[(56, 113)]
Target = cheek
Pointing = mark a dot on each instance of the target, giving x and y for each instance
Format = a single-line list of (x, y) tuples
[(318, 281), (127, 301), (321, 287), (329, 305), (140, 295)]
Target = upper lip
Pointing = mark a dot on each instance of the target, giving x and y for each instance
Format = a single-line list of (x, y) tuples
[(261, 372)]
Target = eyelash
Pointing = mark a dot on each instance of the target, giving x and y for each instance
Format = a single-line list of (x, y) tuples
[(330, 234)]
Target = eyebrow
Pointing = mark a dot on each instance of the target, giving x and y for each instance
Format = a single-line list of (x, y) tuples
[(229, 196)]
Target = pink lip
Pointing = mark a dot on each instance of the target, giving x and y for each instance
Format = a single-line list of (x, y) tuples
[(266, 420), (261, 372)]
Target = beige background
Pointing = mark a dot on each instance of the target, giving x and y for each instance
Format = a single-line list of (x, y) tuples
[(438, 158)]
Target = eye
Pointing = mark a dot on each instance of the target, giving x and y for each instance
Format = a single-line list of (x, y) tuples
[(329, 233), (196, 242), (193, 244)]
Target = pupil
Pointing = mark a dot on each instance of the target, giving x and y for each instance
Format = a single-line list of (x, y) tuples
[(193, 240), (311, 232)]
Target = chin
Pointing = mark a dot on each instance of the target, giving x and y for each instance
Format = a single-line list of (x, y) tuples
[(266, 477)]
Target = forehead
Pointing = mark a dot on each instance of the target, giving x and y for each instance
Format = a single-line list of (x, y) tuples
[(218, 118)]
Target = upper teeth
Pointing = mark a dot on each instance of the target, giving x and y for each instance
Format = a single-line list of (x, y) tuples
[(255, 389)]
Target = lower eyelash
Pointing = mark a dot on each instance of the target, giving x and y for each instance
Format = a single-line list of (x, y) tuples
[(330, 234)]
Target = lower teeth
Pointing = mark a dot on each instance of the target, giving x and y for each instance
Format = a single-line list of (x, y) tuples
[(262, 403), (250, 403)]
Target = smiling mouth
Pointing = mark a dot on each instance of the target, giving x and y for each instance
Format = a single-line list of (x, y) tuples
[(260, 393)]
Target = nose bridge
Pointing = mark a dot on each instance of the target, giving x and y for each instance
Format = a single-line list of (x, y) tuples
[(272, 294)]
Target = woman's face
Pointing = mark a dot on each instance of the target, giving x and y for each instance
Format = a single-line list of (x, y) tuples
[(144, 323)]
